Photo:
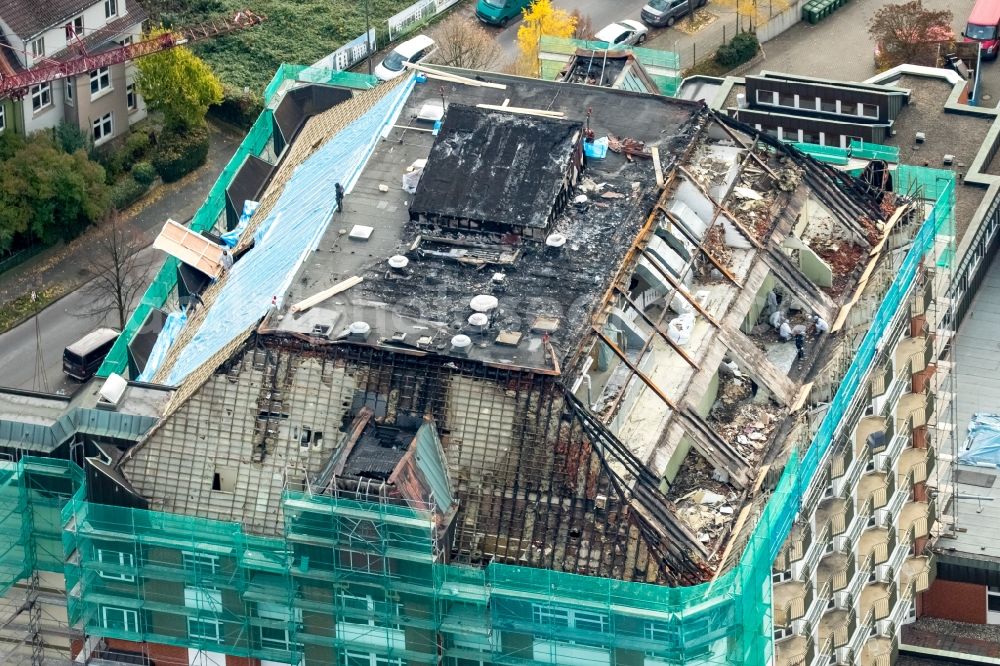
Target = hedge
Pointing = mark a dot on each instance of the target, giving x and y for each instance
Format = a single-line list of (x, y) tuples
[(178, 153), (741, 49), (126, 192)]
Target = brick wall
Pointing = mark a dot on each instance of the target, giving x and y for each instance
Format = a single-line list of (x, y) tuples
[(949, 600)]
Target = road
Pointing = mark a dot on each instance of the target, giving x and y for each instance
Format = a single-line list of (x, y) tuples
[(601, 13), (60, 324)]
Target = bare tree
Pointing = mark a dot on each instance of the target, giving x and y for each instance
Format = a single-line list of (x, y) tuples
[(117, 271), (462, 42), (584, 25)]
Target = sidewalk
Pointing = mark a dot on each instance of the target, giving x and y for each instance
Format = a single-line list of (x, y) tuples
[(62, 268)]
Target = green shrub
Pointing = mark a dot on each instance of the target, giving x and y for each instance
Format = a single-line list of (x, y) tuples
[(180, 152), (237, 107), (144, 173), (70, 138), (136, 145), (741, 49), (126, 192)]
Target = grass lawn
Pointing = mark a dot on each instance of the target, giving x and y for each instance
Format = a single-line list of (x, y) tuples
[(296, 32)]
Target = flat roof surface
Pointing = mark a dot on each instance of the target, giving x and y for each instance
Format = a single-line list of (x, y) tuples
[(978, 372), (431, 297), (496, 167)]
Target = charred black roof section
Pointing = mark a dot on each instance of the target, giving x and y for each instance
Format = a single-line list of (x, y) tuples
[(496, 167), (141, 345)]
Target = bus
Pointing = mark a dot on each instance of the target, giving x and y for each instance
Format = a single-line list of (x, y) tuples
[(82, 358)]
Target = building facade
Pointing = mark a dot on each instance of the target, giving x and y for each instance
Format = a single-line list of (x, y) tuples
[(103, 103)]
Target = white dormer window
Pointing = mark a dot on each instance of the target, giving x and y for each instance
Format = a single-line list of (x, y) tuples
[(110, 8), (74, 29), (37, 48)]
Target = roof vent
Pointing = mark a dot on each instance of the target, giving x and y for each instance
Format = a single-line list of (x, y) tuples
[(359, 330), (460, 344), (483, 303), (741, 101), (949, 160), (479, 321), (555, 240), (112, 390), (431, 112), (921, 137), (398, 262)]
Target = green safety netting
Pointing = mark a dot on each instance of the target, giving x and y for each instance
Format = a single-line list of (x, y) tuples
[(256, 142)]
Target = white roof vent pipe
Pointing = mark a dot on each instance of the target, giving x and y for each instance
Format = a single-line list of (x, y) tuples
[(398, 262), (554, 243), (461, 344), (484, 303), (479, 321), (741, 101)]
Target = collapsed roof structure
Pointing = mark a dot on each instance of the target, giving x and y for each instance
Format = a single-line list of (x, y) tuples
[(571, 359)]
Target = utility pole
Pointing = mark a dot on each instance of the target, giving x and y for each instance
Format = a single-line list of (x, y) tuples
[(368, 36)]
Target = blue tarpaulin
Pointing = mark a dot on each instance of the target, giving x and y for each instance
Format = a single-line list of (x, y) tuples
[(982, 444), (291, 230), (171, 327), (232, 238)]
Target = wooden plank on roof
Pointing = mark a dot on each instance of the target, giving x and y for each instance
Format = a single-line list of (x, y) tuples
[(191, 248)]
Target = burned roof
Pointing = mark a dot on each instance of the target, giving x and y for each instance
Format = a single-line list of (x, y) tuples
[(497, 168)]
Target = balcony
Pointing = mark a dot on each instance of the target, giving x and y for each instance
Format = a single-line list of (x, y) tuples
[(885, 461), (844, 483), (919, 516), (876, 487), (794, 651), (851, 653), (919, 571), (835, 569), (878, 542), (918, 461), (795, 545), (810, 620), (916, 406), (846, 598), (879, 651), (804, 568), (845, 542), (889, 627), (916, 350), (791, 599), (869, 426), (881, 378), (886, 572), (923, 292), (837, 511), (888, 514), (837, 626), (879, 598)]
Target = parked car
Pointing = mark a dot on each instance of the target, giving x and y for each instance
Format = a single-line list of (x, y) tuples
[(412, 50), (623, 33), (82, 358), (500, 12), (659, 13)]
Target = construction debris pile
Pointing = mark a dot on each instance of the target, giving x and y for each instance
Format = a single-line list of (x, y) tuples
[(708, 513)]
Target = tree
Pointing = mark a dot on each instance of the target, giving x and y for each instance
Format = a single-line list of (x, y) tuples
[(462, 42), (117, 271), (178, 83), (908, 33), (584, 25), (47, 195), (540, 19)]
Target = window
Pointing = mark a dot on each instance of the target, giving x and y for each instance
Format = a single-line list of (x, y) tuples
[(74, 28), (354, 658), (103, 128), (120, 619), (276, 636), (41, 97), (130, 99), (202, 565), (573, 619), (786, 99), (767, 97), (993, 599), (210, 630), (38, 48), (828, 105), (126, 41), (70, 86), (116, 559), (100, 80), (110, 8), (868, 111)]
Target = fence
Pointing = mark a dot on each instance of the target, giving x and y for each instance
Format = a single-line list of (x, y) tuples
[(350, 53), (416, 15)]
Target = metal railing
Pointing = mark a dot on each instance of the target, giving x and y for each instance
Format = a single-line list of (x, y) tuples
[(887, 515), (851, 653), (794, 608), (850, 594), (886, 460), (845, 485), (803, 570), (845, 542), (810, 619)]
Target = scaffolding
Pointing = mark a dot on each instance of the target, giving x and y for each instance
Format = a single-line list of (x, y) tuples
[(351, 575)]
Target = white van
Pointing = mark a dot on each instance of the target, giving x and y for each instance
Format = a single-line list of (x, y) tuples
[(412, 50)]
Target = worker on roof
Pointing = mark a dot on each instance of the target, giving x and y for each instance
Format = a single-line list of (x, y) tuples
[(820, 325), (785, 331)]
